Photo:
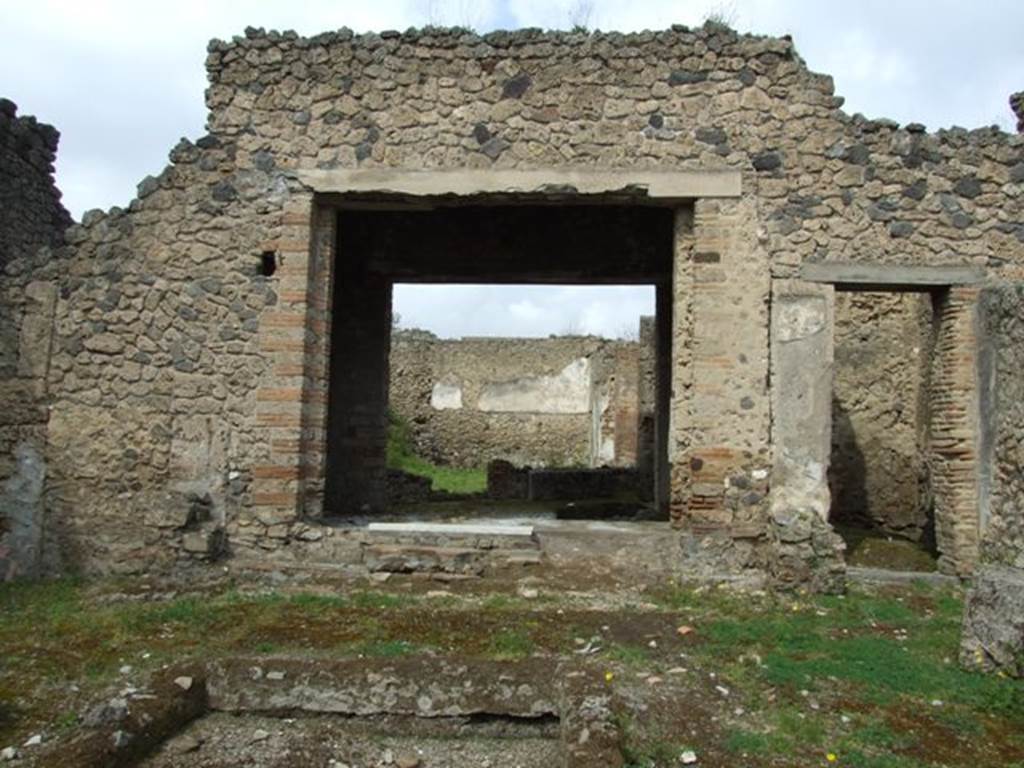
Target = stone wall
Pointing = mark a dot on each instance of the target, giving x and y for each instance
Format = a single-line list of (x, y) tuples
[(558, 401), (879, 470), (189, 389), (172, 375), (993, 637), (1002, 408), (32, 222)]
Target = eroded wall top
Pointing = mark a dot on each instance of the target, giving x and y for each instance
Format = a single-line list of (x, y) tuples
[(31, 214), (833, 186)]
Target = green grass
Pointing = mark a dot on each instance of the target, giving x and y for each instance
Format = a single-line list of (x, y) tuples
[(511, 644), (878, 658), (385, 649), (805, 650), (401, 455), (886, 655), (630, 655)]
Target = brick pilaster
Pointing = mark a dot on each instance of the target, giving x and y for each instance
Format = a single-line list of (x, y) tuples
[(720, 409), (954, 431)]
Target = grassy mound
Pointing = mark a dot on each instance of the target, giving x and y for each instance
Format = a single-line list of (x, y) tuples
[(402, 455)]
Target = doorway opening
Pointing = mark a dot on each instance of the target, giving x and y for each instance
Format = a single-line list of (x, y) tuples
[(882, 500), (557, 420)]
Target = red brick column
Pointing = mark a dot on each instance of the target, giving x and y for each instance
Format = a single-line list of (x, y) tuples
[(291, 401), (954, 431)]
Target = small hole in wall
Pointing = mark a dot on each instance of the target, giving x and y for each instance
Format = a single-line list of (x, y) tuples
[(268, 263)]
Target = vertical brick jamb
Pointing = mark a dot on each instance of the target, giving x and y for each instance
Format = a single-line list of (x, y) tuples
[(281, 395), (646, 449), (319, 303), (719, 446), (663, 351), (954, 438)]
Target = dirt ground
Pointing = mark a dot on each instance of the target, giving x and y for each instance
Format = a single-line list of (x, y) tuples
[(725, 676)]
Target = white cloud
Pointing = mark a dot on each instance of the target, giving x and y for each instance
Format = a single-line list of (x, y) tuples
[(523, 310)]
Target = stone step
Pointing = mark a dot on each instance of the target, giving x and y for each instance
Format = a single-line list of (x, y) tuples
[(456, 535), (454, 529), (418, 558)]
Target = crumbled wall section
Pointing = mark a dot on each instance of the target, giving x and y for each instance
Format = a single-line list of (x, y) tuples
[(879, 471), (993, 634), (32, 223), (31, 214), (160, 381), (539, 402)]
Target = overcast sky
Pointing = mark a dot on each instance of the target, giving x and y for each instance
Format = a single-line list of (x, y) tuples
[(123, 80)]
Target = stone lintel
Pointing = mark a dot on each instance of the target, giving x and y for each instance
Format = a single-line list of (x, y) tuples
[(560, 182), (454, 529), (890, 277)]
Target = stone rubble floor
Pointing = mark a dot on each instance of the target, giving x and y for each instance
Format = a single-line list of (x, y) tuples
[(221, 740), (737, 676)]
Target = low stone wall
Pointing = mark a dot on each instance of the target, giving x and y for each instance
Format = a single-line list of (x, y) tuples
[(557, 401), (574, 484), (406, 488), (507, 481), (32, 221)]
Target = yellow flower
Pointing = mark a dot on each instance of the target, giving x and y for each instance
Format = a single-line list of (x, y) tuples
[(608, 677), (831, 757)]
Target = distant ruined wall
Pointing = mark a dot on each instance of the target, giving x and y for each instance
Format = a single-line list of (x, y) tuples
[(1017, 105), (32, 221), (557, 401), (879, 469)]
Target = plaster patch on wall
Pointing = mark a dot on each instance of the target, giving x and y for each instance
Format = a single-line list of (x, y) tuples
[(565, 392), (446, 395), (799, 317), (21, 506)]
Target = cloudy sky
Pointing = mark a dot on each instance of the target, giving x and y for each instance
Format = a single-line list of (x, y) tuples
[(123, 80)]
